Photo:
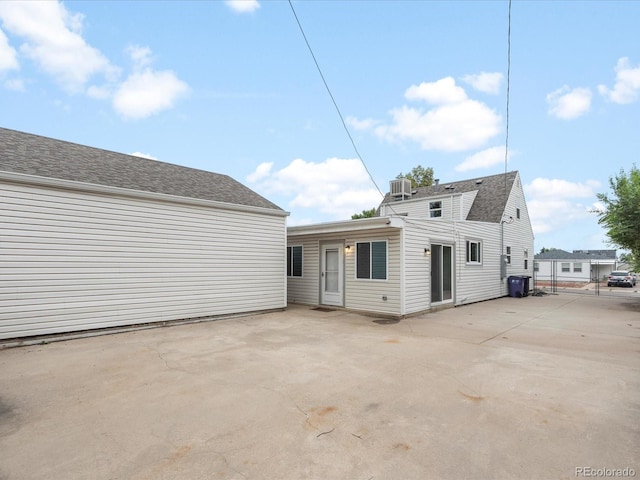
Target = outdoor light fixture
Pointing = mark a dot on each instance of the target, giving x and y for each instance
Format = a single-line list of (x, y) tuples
[(347, 248), (427, 251)]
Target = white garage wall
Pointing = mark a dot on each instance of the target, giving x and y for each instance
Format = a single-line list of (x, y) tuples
[(74, 260)]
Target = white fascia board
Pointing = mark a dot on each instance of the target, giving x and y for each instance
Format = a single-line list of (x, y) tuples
[(127, 192), (347, 226)]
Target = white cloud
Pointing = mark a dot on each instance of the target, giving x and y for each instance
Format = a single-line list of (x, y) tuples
[(457, 127), (141, 56), (456, 123), (15, 84), (485, 82), (143, 155), (554, 204), (441, 92), (568, 104), (149, 92), (337, 187), (243, 6), (627, 84), (52, 39), (8, 54), (364, 124), (263, 170), (484, 159)]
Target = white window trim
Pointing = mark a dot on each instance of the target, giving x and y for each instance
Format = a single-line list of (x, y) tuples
[(386, 266), (301, 261), (432, 209), (468, 243)]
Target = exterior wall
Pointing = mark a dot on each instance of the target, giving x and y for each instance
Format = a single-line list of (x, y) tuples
[(305, 289), (369, 295), (417, 278), (454, 206), (518, 233), (360, 294), (75, 260), (472, 283)]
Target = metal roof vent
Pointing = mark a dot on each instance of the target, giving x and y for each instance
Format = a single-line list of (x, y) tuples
[(479, 181), (400, 188)]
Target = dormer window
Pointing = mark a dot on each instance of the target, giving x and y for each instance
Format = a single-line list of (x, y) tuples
[(435, 209)]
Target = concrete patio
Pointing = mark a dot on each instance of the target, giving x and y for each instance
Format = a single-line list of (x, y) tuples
[(531, 388)]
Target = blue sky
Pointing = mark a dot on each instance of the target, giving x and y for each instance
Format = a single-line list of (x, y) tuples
[(231, 87)]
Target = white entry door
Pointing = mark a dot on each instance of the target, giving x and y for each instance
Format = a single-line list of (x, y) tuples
[(332, 275)]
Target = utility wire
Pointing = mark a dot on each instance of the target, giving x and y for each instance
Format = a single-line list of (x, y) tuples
[(333, 100), (506, 141)]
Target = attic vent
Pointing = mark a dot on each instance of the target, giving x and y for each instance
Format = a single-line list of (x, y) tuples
[(449, 187), (479, 181), (400, 188)]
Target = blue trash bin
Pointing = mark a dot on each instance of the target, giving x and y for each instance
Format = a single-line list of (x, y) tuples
[(516, 286)]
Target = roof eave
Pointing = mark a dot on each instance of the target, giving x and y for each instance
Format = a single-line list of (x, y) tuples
[(23, 178)]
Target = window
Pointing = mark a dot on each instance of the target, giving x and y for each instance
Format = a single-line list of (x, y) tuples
[(577, 267), (518, 213), (566, 267), (435, 209), (508, 255), (294, 261), (371, 260), (536, 267), (474, 249)]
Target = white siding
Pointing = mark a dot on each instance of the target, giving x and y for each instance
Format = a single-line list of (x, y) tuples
[(518, 233), (467, 203), (417, 288), (363, 295), (380, 296), (305, 289), (75, 260), (472, 283), (454, 206)]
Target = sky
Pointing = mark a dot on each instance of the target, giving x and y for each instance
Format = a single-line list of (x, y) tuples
[(231, 87)]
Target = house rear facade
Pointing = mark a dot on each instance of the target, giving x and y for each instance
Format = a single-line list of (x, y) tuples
[(429, 247), (93, 239)]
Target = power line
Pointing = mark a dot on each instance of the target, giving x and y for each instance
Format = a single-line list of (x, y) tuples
[(506, 141), (326, 85)]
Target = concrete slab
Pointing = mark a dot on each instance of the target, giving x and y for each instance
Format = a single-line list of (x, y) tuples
[(512, 388)]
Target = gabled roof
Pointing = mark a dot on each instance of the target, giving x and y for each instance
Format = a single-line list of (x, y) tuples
[(490, 202), (29, 154), (558, 254)]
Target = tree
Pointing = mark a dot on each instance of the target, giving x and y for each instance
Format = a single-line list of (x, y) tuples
[(631, 260), (621, 213), (419, 176), (365, 214)]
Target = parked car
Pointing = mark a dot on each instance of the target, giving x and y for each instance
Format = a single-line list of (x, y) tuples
[(621, 278)]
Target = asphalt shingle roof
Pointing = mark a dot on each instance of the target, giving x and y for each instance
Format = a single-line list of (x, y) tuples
[(490, 202), (46, 157), (558, 254)]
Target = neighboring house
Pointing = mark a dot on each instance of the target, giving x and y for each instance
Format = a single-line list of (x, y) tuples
[(92, 239), (577, 266), (429, 247)]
